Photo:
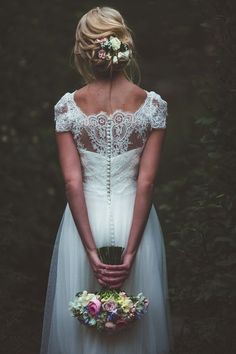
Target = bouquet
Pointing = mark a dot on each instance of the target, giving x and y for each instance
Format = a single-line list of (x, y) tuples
[(108, 310)]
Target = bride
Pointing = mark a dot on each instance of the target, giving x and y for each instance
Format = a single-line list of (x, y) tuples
[(109, 135)]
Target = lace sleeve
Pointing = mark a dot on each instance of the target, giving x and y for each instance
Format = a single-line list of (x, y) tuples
[(158, 112), (62, 118)]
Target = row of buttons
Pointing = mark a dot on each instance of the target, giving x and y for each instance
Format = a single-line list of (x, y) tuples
[(108, 182)]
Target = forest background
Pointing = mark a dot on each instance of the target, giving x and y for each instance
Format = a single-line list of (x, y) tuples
[(186, 50)]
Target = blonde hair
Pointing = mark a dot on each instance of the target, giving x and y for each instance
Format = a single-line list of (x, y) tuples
[(102, 22)]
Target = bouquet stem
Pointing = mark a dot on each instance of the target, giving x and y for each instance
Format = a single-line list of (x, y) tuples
[(110, 254)]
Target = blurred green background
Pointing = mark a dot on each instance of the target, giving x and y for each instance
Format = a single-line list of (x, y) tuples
[(186, 50)]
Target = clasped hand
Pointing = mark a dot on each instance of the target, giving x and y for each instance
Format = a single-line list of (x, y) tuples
[(112, 276)]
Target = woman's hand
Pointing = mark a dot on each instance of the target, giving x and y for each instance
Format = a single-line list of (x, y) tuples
[(115, 275), (98, 267)]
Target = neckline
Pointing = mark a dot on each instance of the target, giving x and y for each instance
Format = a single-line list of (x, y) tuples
[(114, 112)]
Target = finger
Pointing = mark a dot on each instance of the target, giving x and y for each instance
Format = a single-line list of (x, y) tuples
[(102, 271), (112, 281), (109, 266), (102, 266), (113, 273), (116, 267)]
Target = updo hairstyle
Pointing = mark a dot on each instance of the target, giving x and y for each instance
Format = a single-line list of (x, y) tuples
[(98, 23)]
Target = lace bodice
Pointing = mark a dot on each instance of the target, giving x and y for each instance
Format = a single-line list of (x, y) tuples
[(121, 130), (110, 145)]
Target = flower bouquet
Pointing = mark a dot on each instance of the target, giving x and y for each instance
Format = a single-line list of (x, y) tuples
[(108, 310)]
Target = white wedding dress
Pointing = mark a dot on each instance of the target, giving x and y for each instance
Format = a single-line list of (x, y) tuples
[(110, 148)]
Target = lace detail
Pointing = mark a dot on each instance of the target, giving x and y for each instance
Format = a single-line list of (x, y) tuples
[(63, 115), (159, 112), (128, 130)]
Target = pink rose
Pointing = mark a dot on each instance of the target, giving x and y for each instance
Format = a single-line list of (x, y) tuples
[(94, 307), (109, 306), (101, 54)]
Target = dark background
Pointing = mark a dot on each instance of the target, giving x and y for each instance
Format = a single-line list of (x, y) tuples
[(187, 54)]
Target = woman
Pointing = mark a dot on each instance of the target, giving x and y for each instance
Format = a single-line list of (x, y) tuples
[(109, 135)]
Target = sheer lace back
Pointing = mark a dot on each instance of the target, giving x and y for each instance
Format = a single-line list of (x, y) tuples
[(111, 134)]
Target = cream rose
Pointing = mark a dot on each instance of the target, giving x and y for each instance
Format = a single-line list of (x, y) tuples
[(115, 43)]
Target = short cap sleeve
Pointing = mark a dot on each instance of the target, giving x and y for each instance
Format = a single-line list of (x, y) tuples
[(62, 117), (158, 112)]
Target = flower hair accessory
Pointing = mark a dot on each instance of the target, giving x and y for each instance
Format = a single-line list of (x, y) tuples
[(113, 49)]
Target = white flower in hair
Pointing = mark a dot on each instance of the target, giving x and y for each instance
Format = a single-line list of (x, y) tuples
[(108, 56), (115, 59), (114, 49), (124, 55), (115, 43)]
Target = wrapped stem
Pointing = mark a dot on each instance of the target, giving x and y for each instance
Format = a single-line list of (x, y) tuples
[(110, 254)]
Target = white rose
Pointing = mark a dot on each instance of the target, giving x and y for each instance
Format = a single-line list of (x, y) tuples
[(115, 43)]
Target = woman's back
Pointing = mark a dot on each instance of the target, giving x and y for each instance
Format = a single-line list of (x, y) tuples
[(103, 96)]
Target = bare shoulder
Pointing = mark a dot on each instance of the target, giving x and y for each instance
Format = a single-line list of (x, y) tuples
[(138, 93), (80, 95), (138, 90)]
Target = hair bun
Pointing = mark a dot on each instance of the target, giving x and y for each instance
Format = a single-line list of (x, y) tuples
[(103, 43)]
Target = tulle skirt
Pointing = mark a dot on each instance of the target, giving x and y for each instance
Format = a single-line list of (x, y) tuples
[(70, 272)]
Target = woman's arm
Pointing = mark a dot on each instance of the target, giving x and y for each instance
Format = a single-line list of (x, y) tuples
[(72, 174), (149, 164)]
